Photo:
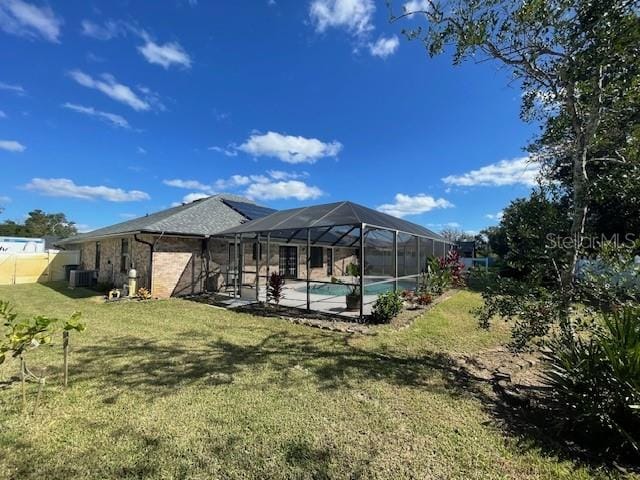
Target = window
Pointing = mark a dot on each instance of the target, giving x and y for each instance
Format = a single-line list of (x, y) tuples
[(316, 260), (124, 255), (97, 260)]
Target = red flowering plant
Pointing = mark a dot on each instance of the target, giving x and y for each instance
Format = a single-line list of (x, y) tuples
[(451, 262)]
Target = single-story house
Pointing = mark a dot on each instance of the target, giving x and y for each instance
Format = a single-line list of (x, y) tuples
[(172, 250)]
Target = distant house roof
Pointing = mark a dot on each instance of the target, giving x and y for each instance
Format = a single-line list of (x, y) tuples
[(328, 215), (204, 217)]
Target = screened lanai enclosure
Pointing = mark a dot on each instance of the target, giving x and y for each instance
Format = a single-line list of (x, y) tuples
[(317, 250)]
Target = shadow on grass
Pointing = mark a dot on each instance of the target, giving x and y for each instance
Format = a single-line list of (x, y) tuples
[(306, 458), (157, 368), (63, 289)]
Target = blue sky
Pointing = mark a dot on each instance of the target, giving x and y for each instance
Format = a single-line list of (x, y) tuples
[(114, 109)]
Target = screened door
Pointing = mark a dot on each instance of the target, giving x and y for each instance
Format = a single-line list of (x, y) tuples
[(288, 261)]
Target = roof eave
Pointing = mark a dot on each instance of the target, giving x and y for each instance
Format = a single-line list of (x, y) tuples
[(93, 238)]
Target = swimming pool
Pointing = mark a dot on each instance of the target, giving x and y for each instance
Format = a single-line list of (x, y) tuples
[(337, 289)]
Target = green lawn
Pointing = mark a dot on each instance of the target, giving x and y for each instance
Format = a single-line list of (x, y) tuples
[(177, 389)]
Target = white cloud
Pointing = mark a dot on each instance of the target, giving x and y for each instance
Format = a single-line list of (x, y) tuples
[(270, 190), (384, 47), (281, 175), (84, 228), (417, 6), (190, 197), (521, 170), (229, 152), (63, 187), (109, 30), (188, 184), (2, 114), (21, 18), (166, 55), (141, 151), (495, 216), (5, 199), (152, 98), (356, 17), (127, 216), (17, 89), (110, 118), (237, 181), (353, 15), (12, 146), (442, 226), (288, 148), (274, 185), (108, 85), (413, 205)]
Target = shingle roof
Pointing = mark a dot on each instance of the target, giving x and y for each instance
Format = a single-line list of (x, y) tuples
[(331, 214), (203, 217)]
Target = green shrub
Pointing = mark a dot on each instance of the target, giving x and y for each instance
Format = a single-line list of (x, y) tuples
[(387, 306), (595, 382), (436, 279), (480, 279)]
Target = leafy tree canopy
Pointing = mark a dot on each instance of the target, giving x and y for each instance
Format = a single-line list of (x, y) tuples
[(38, 224)]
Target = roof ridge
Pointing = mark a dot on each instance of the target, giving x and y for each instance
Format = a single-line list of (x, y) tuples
[(351, 205), (340, 204)]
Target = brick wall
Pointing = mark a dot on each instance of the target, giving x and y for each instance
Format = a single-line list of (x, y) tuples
[(109, 271), (179, 267)]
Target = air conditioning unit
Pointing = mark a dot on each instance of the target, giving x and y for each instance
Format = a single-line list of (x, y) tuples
[(81, 278)]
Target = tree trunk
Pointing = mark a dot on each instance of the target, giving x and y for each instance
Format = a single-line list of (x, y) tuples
[(580, 204)]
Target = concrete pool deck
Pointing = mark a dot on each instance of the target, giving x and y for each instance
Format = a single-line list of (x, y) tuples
[(295, 295)]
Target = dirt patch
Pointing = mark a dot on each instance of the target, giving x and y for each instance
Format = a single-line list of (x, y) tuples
[(517, 377)]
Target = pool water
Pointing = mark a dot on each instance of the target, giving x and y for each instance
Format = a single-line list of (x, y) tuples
[(337, 289)]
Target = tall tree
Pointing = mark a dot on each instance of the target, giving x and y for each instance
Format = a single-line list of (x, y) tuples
[(39, 224), (454, 234), (578, 63)]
